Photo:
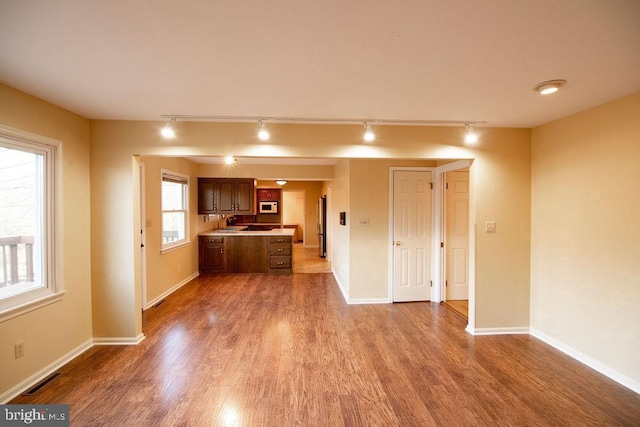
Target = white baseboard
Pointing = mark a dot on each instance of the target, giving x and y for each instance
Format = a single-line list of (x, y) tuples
[(630, 383), (498, 331), (170, 291), (44, 372), (356, 301), (343, 289), (119, 340)]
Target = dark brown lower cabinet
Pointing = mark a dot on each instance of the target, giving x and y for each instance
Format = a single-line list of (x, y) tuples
[(245, 254), (211, 254)]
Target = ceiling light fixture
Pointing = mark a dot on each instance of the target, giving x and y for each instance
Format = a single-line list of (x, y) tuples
[(229, 160), (281, 181), (368, 133), (167, 131), (470, 136), (549, 87), (263, 133)]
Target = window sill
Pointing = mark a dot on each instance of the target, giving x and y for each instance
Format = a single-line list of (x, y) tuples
[(174, 247), (10, 313)]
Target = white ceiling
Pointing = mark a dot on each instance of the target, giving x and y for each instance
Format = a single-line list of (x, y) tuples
[(463, 60)]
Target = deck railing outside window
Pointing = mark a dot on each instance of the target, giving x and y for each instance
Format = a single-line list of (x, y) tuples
[(16, 260)]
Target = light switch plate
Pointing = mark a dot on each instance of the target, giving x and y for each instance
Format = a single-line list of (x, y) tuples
[(363, 222), (490, 227)]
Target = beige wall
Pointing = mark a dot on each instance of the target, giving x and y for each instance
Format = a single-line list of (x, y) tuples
[(585, 263), (58, 329), (501, 164), (369, 246), (169, 269)]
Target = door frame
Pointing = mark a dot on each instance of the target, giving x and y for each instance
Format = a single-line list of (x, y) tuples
[(143, 234), (437, 233), (441, 291)]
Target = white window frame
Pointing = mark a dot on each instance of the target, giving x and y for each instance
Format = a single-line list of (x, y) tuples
[(51, 251), (184, 179)]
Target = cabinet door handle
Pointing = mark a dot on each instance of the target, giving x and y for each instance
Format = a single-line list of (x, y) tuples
[(220, 250), (279, 249)]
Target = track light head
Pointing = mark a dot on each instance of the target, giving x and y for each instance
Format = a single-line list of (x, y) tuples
[(263, 133), (368, 133), (167, 131), (470, 136)]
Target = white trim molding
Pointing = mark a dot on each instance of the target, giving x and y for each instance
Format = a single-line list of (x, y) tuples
[(514, 330), (119, 340), (630, 383), (165, 294), (44, 372)]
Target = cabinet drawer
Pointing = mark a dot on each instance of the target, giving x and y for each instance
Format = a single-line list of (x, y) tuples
[(211, 239), (280, 249), (280, 239), (280, 262)]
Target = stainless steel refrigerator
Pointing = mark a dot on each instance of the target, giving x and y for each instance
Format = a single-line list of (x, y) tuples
[(322, 226)]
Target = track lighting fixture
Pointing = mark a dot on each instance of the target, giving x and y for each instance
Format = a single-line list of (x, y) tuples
[(263, 133), (167, 131), (470, 136), (368, 133), (549, 87)]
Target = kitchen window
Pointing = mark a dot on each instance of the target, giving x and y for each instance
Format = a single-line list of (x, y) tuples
[(28, 248), (175, 210)]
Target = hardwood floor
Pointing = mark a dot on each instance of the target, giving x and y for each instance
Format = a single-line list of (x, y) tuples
[(461, 306), (273, 350)]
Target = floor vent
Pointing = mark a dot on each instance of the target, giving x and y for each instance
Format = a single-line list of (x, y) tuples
[(158, 303), (41, 384)]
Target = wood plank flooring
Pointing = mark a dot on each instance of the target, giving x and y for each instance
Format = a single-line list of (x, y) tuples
[(265, 350), (461, 306)]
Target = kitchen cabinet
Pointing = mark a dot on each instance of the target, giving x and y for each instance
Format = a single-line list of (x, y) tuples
[(226, 196), (268, 194), (211, 254), (246, 252), (280, 252)]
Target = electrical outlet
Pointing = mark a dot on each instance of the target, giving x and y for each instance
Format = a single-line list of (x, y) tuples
[(490, 227), (363, 222), (19, 349)]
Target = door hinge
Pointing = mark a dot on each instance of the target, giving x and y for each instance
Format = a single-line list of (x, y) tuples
[(442, 244), (431, 283), (446, 186), (446, 283), (431, 183)]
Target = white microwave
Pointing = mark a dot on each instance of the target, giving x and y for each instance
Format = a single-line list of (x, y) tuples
[(268, 207)]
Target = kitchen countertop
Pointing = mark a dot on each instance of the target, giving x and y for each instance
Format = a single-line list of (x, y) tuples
[(238, 231)]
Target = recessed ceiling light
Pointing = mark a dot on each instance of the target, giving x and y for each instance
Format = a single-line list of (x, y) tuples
[(549, 87)]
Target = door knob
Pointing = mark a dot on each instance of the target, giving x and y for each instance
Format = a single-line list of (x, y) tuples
[(396, 243)]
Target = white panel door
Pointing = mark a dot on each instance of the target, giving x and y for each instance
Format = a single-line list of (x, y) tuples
[(457, 235), (412, 206)]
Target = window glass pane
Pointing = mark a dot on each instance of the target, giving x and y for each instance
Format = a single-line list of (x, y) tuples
[(172, 196), (21, 220), (173, 226)]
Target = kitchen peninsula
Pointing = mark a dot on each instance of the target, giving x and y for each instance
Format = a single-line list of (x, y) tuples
[(240, 250)]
